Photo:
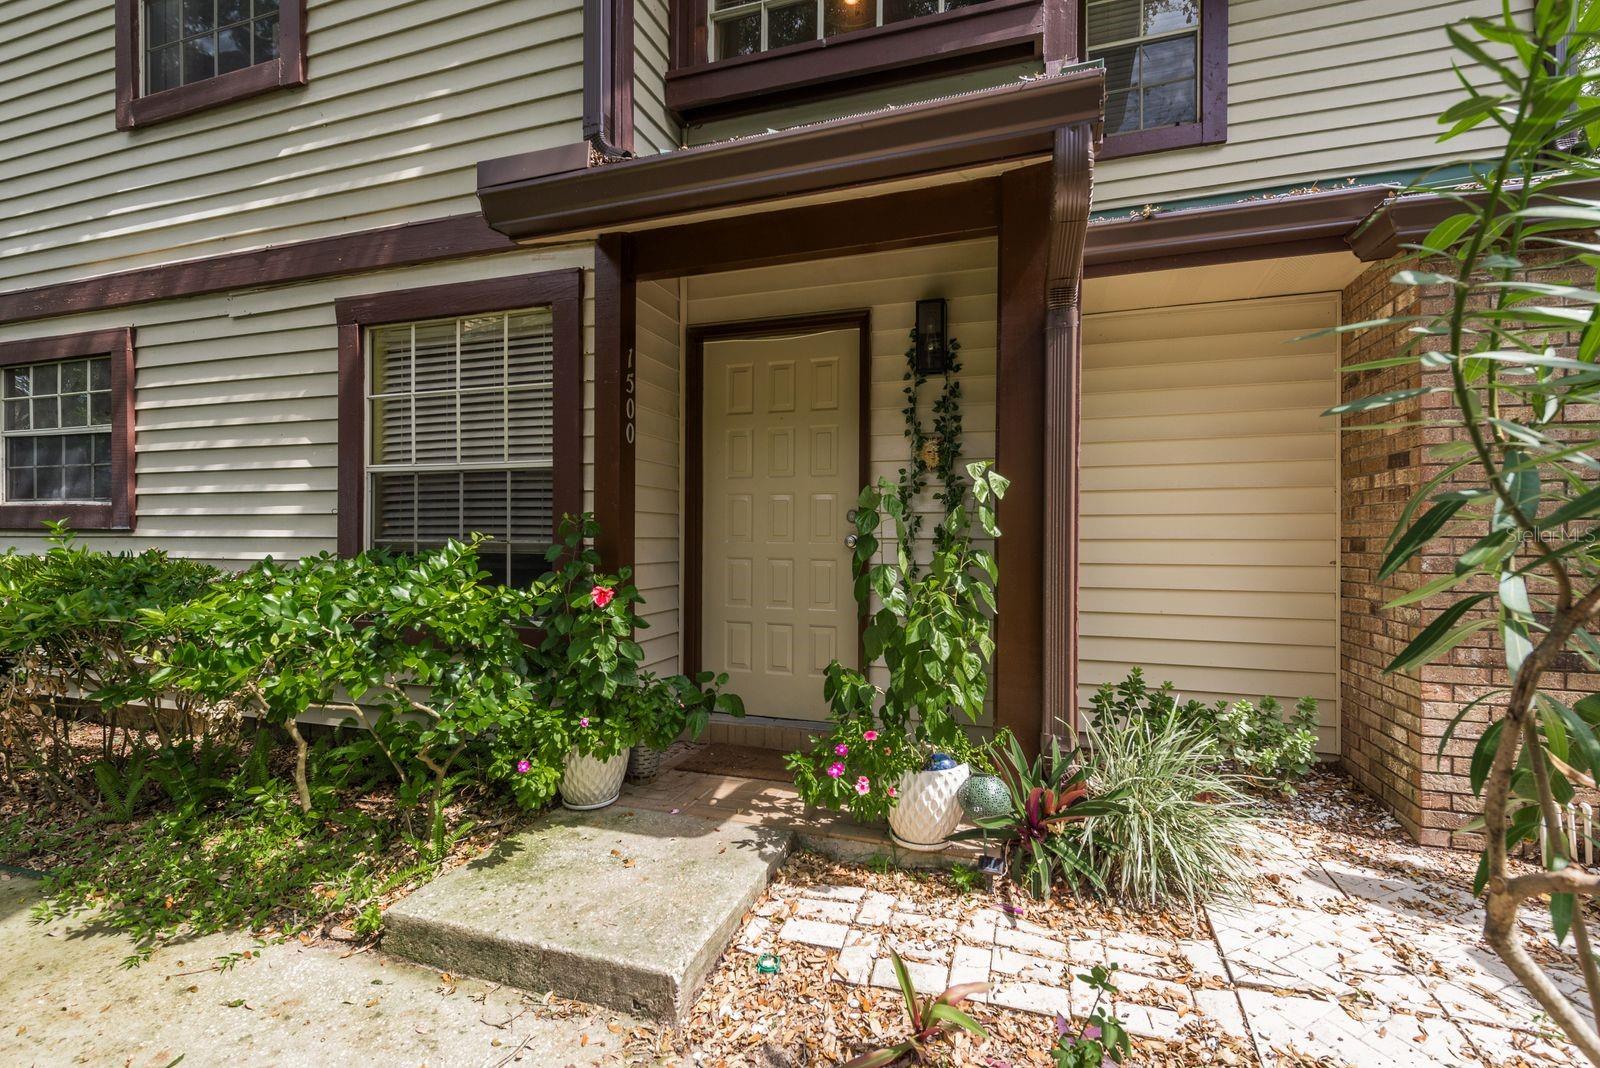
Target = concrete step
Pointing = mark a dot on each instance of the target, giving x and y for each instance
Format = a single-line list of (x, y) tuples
[(626, 908)]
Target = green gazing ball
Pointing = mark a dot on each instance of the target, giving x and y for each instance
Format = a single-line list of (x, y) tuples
[(983, 796)]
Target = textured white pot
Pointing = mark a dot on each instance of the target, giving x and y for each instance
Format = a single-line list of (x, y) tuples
[(927, 811), (589, 783)]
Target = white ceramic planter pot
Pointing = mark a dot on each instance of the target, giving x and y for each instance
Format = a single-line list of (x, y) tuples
[(927, 811), (589, 783)]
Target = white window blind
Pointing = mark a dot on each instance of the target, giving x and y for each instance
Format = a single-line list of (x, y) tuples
[(462, 438)]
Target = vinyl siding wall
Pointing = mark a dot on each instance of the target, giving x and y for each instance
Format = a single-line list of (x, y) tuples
[(657, 471), (654, 129), (404, 99), (236, 409), (890, 284), (1317, 90), (1210, 501)]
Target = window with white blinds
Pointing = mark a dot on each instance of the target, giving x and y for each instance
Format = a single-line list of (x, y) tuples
[(462, 441)]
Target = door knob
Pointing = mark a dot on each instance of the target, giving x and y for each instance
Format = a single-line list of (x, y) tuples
[(850, 540)]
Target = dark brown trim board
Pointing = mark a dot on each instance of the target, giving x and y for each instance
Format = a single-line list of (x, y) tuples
[(120, 513), (561, 290), (689, 597), (989, 126), (1071, 183), (406, 245), (1252, 229), (1024, 256), (136, 109), (608, 75), (615, 399), (698, 86), (1212, 127), (953, 212)]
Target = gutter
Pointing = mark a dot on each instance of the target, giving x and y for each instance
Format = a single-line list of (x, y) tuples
[(523, 200)]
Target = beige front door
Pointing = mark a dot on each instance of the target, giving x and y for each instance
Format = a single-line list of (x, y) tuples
[(781, 441)]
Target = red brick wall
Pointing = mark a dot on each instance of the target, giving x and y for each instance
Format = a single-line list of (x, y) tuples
[(1381, 715), (1393, 724)]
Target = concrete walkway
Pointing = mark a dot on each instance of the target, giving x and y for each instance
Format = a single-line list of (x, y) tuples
[(1350, 950), (68, 1002)]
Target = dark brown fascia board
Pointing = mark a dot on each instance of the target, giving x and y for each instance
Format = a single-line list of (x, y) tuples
[(1248, 230), (406, 245), (988, 126), (1406, 220)]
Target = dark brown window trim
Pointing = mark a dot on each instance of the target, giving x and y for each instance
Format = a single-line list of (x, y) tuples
[(136, 109), (1212, 129), (695, 83), (561, 290), (118, 515)]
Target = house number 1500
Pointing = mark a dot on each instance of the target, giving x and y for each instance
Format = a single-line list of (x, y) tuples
[(629, 405)]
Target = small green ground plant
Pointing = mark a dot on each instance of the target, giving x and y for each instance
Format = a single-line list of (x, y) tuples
[(930, 1020), (1101, 1039), (1256, 740), (932, 632)]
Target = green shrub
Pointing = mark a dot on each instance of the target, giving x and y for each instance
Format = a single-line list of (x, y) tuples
[(1180, 819), (73, 628), (1256, 740), (932, 629)]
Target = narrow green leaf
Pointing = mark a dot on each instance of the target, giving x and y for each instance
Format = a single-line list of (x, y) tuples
[(1483, 755), (1420, 533), (1439, 637), (1382, 400)]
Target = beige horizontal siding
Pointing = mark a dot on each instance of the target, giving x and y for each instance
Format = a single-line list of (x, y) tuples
[(888, 284), (1317, 90), (404, 99), (656, 472), (654, 129), (1210, 500), (237, 434)]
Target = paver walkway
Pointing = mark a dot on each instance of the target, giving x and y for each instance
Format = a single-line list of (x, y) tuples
[(1349, 950)]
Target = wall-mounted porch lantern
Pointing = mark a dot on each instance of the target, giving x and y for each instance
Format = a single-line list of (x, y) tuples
[(933, 343)]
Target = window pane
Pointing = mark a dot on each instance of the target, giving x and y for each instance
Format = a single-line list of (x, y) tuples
[(1112, 20), (739, 36), (1164, 16), (47, 450), (266, 7), (199, 58), (1166, 61), (164, 72), (391, 431), (46, 379), (160, 22), (19, 452), (842, 16), (46, 413), (75, 376), (198, 17), (77, 450), (231, 11), (100, 373), (1122, 66), (78, 483), (100, 409), (899, 10), (48, 484), (233, 49), (1122, 112), (18, 415), (75, 409), (19, 484), (1166, 105), (792, 24), (266, 35), (19, 383)]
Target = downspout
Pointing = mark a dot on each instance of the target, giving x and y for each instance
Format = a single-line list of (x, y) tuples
[(608, 77), (1072, 175)]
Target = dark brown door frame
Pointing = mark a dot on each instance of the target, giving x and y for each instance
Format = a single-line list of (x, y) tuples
[(694, 443)]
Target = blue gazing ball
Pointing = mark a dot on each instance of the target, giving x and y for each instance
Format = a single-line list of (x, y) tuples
[(941, 762)]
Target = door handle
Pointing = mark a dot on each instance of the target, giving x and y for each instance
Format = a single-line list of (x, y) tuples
[(850, 540)]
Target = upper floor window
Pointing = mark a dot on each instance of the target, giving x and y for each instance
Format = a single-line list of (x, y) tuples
[(746, 27), (176, 57), (187, 41), (66, 431), (1166, 71)]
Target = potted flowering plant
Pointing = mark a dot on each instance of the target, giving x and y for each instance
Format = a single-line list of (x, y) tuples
[(586, 669), (903, 751)]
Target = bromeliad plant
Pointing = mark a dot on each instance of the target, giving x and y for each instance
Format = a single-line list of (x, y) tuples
[(932, 632), (930, 1020), (1045, 835), (1517, 444)]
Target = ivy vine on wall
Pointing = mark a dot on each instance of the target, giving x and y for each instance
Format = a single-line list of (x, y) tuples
[(934, 452)]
